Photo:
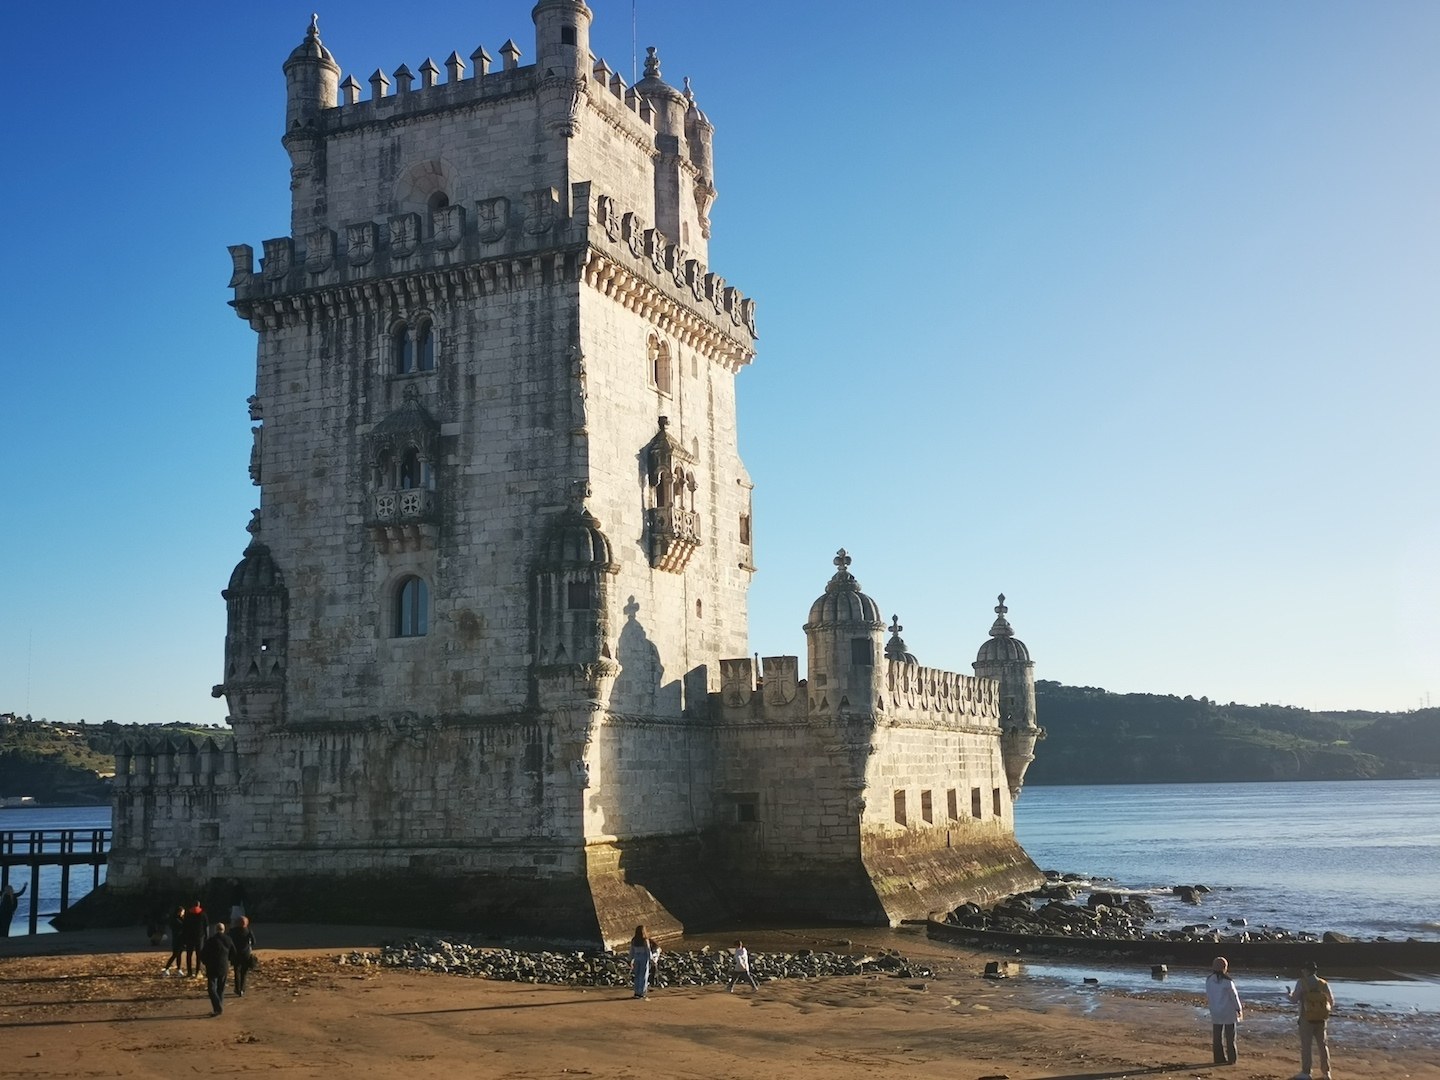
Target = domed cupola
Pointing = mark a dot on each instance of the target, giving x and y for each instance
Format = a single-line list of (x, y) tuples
[(576, 541), (1003, 646), (895, 647), (255, 572), (843, 602), (312, 48), (845, 636), (670, 104)]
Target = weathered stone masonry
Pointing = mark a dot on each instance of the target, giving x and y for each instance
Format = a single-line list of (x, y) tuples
[(474, 659)]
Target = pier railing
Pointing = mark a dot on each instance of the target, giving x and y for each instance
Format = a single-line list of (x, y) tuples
[(65, 848)]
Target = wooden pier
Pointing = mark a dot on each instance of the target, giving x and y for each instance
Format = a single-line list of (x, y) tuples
[(65, 848)]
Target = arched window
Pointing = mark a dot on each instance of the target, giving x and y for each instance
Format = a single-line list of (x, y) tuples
[(425, 346), (412, 608), (660, 368), (402, 350)]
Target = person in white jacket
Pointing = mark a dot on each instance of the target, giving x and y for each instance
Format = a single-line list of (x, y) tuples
[(1225, 1010)]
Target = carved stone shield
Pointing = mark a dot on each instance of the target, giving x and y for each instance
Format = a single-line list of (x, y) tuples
[(492, 218), (360, 239), (782, 679)]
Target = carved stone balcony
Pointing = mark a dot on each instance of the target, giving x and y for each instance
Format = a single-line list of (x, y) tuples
[(404, 518), (674, 536)]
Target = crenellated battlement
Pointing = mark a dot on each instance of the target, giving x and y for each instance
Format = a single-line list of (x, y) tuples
[(926, 693), (496, 244), (153, 765)]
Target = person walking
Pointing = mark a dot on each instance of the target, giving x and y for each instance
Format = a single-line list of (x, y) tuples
[(217, 954), (9, 901), (1316, 1002), (740, 968), (640, 957), (1225, 1010), (244, 940), (192, 932), (176, 927)]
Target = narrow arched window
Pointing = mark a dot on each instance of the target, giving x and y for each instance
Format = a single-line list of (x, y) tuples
[(411, 473), (412, 608), (402, 350), (425, 347)]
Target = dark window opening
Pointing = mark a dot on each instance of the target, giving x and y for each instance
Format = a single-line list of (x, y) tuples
[(567, 35), (412, 608), (746, 812), (745, 529), (425, 348), (927, 810), (995, 802), (952, 798), (900, 808), (402, 351), (862, 652), (976, 810), (577, 595)]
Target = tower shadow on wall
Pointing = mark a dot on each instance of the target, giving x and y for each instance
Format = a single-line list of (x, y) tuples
[(648, 795)]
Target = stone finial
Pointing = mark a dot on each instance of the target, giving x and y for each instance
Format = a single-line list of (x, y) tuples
[(429, 74), (454, 68), (1001, 626), (379, 85), (652, 63), (842, 560), (895, 626), (481, 61), (510, 54), (350, 89), (689, 93), (403, 78)]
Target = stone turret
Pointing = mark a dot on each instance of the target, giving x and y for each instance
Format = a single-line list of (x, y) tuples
[(846, 637), (1005, 658), (562, 57), (256, 640), (312, 85)]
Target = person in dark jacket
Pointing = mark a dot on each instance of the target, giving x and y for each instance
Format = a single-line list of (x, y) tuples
[(217, 954), (193, 934), (244, 939), (176, 927), (9, 901)]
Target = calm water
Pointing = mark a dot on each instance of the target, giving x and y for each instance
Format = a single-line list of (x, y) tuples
[(1360, 857), (46, 817)]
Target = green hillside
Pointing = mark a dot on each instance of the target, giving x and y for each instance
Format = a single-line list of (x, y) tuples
[(72, 764), (1096, 737)]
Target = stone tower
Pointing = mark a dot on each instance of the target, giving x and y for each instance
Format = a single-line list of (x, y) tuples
[(504, 528), (1005, 658), (486, 656)]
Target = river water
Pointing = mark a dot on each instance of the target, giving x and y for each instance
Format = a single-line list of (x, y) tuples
[(1360, 857)]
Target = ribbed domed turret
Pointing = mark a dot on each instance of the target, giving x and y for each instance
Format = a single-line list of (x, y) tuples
[(257, 570), (1003, 644), (312, 48), (843, 601), (577, 540)]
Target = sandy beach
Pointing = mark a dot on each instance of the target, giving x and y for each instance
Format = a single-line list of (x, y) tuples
[(94, 1004)]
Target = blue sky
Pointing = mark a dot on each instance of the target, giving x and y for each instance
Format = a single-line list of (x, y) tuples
[(1126, 309)]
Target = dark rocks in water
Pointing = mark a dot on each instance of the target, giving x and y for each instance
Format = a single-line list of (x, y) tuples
[(1063, 890), (1334, 935), (1189, 894), (1090, 980), (1108, 899), (1159, 971), (1239, 922)]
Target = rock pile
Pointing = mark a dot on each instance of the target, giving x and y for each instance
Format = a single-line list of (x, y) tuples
[(1050, 911), (613, 968)]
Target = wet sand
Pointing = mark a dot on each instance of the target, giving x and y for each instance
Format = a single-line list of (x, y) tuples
[(94, 1004)]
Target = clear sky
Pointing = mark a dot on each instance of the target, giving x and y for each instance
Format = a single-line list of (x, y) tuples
[(1128, 309)]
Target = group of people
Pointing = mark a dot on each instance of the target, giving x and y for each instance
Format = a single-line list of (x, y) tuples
[(1310, 992), (645, 960), (216, 950)]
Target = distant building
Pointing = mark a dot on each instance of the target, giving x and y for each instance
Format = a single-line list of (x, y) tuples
[(486, 650)]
